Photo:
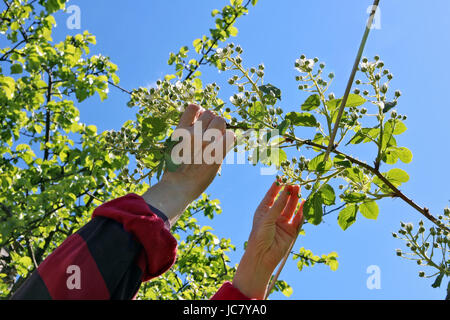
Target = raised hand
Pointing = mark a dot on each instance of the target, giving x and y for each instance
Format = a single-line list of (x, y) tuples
[(197, 170), (275, 227)]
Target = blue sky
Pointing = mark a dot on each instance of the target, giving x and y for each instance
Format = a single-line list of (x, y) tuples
[(414, 43)]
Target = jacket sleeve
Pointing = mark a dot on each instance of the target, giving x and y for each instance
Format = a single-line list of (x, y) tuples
[(126, 242)]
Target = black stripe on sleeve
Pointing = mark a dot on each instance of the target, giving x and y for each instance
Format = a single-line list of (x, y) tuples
[(115, 252), (32, 289)]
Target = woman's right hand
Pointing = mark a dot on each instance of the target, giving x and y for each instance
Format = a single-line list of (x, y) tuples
[(275, 227)]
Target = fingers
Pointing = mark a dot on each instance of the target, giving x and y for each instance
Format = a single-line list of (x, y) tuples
[(270, 196), (289, 210), (218, 123), (297, 221), (280, 203), (205, 119), (190, 115)]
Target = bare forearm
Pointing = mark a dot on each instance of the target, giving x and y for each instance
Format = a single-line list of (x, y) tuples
[(251, 277), (169, 198)]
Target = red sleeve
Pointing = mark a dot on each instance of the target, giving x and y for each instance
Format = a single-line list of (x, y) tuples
[(124, 244), (229, 292), (134, 214)]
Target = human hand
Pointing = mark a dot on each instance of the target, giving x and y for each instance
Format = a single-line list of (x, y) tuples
[(275, 227), (200, 160)]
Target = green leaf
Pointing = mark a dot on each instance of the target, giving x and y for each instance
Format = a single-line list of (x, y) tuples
[(369, 209), (311, 103), (397, 176), (312, 208), (354, 197), (347, 216), (8, 85), (233, 31), (389, 105), (271, 93), (170, 165), (405, 154), (395, 127), (91, 130), (16, 69), (283, 126), (364, 135), (438, 281), (197, 43), (327, 194), (317, 164), (392, 154), (277, 156), (354, 100), (341, 161), (302, 119), (257, 110), (331, 261)]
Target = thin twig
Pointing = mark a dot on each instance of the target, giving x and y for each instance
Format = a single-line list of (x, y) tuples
[(351, 79)]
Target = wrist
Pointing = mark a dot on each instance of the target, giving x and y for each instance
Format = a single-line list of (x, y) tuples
[(168, 198), (251, 277)]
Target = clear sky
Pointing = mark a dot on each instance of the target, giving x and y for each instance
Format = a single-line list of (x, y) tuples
[(413, 41)]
